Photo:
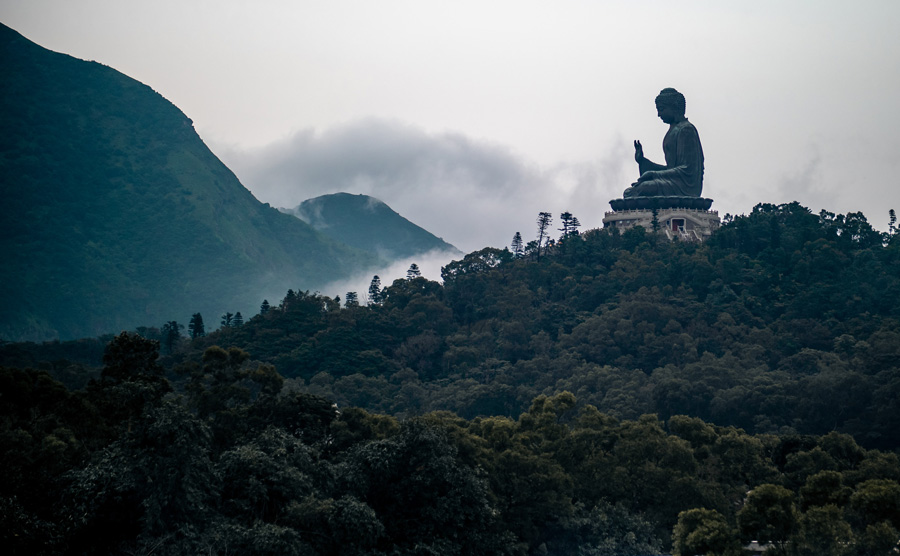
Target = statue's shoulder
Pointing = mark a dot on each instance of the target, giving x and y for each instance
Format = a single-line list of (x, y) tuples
[(686, 127), (685, 124)]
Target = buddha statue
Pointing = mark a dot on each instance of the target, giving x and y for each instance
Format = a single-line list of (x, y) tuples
[(682, 174)]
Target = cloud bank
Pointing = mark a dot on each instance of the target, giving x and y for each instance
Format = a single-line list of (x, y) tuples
[(475, 193), (470, 192)]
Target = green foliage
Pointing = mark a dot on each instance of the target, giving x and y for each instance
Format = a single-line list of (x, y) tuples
[(701, 531), (824, 531), (768, 515), (731, 332), (130, 357), (877, 500), (246, 462), (603, 399)]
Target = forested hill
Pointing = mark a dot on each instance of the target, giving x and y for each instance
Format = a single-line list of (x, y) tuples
[(369, 224), (760, 352), (784, 321), (115, 214)]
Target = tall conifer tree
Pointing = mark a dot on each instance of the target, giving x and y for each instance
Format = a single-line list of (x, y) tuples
[(375, 293), (518, 247), (543, 222), (195, 327)]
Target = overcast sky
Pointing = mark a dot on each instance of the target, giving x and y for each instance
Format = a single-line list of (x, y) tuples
[(469, 118)]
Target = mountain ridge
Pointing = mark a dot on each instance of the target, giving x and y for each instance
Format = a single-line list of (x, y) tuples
[(116, 213)]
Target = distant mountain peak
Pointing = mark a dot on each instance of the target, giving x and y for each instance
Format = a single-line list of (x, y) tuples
[(369, 224)]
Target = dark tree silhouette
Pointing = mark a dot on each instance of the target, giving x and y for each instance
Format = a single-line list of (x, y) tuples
[(413, 272), (171, 333), (264, 308), (130, 357), (195, 326), (376, 296), (543, 221), (289, 298), (570, 225), (238, 320), (227, 319), (352, 300), (518, 247)]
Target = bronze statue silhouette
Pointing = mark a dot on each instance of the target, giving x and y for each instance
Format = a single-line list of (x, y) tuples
[(682, 174)]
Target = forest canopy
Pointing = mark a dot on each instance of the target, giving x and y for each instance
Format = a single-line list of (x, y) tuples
[(606, 394)]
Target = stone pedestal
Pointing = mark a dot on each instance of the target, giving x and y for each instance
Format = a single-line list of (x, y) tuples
[(682, 218)]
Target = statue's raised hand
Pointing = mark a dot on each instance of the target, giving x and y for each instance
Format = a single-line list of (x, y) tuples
[(638, 152)]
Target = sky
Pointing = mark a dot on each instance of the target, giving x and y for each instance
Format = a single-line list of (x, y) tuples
[(470, 117)]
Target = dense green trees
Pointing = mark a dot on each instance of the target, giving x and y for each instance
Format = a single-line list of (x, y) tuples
[(702, 531), (243, 462), (627, 395), (769, 516), (779, 324)]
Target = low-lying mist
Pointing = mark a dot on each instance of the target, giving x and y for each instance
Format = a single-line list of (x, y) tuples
[(429, 264)]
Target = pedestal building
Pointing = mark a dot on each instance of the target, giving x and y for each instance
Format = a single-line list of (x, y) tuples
[(682, 218)]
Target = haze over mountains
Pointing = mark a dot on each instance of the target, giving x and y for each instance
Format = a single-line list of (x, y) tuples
[(115, 214)]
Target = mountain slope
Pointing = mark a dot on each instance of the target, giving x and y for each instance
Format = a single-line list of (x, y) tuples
[(116, 214), (368, 224)]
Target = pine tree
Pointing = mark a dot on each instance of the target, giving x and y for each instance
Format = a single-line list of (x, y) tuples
[(264, 308), (226, 320), (352, 300), (518, 248), (375, 292), (570, 225), (892, 223), (195, 327), (289, 298), (543, 222), (413, 272), (238, 320), (171, 332)]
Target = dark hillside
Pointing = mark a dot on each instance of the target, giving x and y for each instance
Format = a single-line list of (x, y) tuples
[(784, 322), (212, 450), (115, 214)]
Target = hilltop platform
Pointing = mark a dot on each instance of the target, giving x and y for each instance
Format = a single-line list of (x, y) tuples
[(682, 218)]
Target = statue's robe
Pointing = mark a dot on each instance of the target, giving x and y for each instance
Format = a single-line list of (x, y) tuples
[(682, 175)]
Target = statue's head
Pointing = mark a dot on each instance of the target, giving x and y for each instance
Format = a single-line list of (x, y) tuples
[(670, 105)]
